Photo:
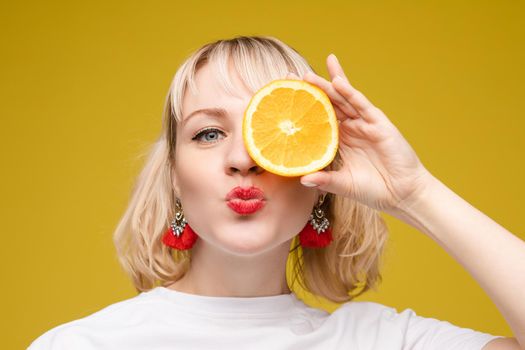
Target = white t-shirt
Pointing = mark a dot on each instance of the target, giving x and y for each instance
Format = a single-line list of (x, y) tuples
[(163, 319)]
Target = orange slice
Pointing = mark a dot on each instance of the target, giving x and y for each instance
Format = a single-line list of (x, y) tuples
[(290, 128)]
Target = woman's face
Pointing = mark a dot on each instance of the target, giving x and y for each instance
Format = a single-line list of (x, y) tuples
[(211, 161)]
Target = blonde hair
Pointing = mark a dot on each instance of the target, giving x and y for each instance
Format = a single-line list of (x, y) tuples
[(348, 267)]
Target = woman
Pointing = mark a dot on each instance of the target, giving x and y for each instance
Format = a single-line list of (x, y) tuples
[(211, 266)]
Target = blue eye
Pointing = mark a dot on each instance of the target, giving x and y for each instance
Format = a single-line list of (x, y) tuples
[(210, 135)]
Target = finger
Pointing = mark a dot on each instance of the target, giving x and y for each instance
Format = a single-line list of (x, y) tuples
[(292, 76), (334, 67), (339, 114), (363, 106), (328, 181), (332, 93), (360, 129)]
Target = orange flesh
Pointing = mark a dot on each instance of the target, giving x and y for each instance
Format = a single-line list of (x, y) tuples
[(278, 119)]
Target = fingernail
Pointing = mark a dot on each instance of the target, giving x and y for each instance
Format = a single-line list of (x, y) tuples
[(309, 184)]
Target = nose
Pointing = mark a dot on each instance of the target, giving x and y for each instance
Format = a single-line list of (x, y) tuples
[(238, 160)]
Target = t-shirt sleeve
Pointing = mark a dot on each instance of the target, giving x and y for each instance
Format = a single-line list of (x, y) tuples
[(422, 333), (70, 335), (43, 342)]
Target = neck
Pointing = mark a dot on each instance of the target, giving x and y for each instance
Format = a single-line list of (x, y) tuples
[(214, 272)]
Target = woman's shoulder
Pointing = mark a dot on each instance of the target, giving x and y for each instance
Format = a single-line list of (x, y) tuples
[(368, 311), (411, 327), (367, 314), (120, 314), (366, 308)]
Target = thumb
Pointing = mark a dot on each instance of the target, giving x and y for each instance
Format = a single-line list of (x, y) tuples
[(324, 180)]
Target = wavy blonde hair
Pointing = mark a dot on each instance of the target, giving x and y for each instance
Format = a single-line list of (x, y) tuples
[(348, 267)]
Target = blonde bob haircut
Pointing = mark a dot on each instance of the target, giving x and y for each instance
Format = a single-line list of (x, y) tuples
[(348, 267)]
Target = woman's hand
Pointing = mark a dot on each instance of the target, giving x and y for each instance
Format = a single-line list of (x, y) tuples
[(380, 169)]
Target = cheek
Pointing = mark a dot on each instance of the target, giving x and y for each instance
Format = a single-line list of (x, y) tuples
[(195, 176), (198, 194), (294, 207)]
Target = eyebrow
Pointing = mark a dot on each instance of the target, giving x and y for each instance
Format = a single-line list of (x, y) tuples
[(214, 112)]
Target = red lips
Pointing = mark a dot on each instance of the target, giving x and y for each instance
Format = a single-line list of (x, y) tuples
[(245, 201)]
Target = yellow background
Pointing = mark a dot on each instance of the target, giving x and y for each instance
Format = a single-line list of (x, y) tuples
[(82, 89)]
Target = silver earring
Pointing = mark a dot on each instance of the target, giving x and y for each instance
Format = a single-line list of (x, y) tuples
[(318, 220), (179, 222)]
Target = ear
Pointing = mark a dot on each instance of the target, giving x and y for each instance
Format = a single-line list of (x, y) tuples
[(175, 183), (321, 193), (321, 197)]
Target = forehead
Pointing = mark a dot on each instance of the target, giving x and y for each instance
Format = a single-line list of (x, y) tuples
[(211, 92)]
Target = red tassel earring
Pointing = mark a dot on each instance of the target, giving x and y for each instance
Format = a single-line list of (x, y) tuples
[(316, 233), (179, 235)]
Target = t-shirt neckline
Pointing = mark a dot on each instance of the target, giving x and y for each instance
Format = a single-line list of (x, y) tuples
[(275, 304)]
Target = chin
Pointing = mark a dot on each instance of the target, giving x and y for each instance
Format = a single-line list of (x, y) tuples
[(246, 241), (246, 246)]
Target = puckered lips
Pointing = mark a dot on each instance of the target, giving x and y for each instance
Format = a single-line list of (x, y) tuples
[(245, 200)]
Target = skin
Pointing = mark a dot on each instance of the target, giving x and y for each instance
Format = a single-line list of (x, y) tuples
[(235, 255), (380, 170)]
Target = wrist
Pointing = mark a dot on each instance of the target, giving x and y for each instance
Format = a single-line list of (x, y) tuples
[(426, 183), (412, 207)]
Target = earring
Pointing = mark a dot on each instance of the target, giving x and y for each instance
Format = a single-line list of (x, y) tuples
[(179, 235), (316, 233)]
